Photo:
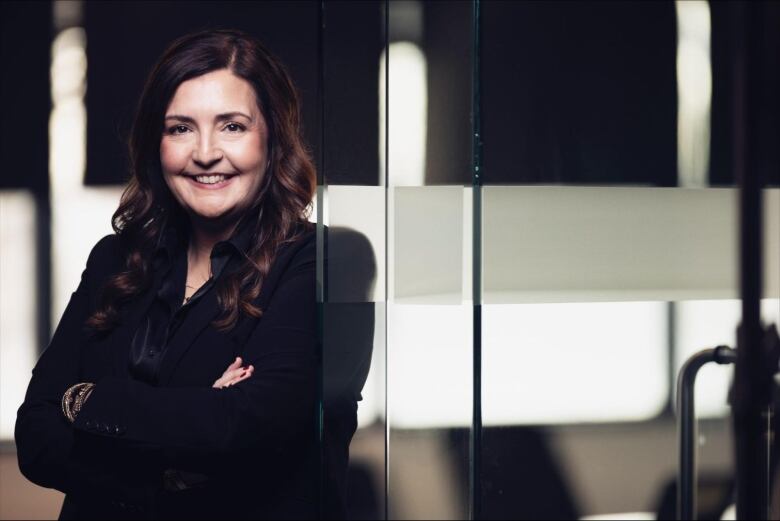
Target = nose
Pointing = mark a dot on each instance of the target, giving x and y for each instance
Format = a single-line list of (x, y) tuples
[(205, 154)]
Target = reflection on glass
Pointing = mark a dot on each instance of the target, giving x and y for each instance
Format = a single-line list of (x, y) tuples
[(406, 129), (577, 334), (429, 315), (694, 92), (353, 245)]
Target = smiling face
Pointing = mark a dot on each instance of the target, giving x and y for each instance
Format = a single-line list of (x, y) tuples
[(214, 148)]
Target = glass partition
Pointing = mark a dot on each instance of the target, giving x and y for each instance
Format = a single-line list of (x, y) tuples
[(609, 255), (426, 90), (351, 214)]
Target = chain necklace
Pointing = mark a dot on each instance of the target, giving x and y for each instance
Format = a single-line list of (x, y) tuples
[(187, 299)]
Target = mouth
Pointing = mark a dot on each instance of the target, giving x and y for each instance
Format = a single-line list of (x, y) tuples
[(210, 181)]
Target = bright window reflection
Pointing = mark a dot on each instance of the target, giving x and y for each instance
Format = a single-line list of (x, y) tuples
[(80, 215), (17, 303), (705, 324), (694, 91), (408, 98), (429, 376), (571, 363), (542, 363)]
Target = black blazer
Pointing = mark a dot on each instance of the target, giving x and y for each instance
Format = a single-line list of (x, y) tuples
[(256, 441)]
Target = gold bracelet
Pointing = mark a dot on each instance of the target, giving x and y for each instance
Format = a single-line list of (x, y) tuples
[(81, 398), (67, 399)]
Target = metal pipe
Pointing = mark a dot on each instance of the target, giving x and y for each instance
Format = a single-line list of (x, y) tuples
[(686, 425)]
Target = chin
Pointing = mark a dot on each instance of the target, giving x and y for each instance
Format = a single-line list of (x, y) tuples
[(210, 214)]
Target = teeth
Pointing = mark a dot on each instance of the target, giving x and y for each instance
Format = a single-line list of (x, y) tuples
[(209, 179)]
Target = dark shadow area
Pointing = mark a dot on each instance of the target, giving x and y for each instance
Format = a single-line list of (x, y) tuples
[(725, 36), (26, 96), (352, 43), (348, 341), (522, 477), (362, 493), (715, 494), (579, 93)]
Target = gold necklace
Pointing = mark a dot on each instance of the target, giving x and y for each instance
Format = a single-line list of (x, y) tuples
[(187, 299)]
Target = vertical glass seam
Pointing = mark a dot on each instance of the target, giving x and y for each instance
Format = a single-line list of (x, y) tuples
[(476, 428), (386, 144), (320, 263)]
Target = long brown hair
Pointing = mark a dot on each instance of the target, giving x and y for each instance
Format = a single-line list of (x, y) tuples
[(280, 211)]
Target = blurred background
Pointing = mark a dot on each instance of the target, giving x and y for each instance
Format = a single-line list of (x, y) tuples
[(532, 220)]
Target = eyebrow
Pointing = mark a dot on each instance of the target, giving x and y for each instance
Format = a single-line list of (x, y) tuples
[(218, 117)]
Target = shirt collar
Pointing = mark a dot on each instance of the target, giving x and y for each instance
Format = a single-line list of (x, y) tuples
[(239, 240), (173, 239)]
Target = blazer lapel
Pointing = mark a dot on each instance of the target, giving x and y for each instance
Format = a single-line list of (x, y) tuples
[(204, 311), (121, 339)]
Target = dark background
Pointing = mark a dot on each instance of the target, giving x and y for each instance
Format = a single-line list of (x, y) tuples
[(572, 92)]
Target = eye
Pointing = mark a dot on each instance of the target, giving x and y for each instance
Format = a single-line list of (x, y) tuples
[(177, 129), (234, 127)]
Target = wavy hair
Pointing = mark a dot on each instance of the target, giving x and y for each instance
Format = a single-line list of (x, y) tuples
[(282, 205)]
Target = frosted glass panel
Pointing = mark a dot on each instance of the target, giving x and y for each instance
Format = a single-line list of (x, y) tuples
[(569, 244)]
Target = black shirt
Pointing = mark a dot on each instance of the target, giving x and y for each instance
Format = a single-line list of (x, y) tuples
[(167, 310)]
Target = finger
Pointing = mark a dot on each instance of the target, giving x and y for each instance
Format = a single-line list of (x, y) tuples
[(226, 377), (245, 373), (237, 372), (240, 378), (231, 374), (235, 365)]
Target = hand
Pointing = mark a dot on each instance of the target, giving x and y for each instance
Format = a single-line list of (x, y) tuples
[(234, 374)]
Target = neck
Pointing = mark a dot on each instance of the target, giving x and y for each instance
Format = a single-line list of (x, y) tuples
[(203, 237)]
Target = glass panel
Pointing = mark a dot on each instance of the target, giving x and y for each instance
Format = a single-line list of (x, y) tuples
[(428, 157), (594, 117), (351, 217)]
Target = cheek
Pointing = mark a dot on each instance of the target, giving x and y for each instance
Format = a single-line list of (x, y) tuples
[(249, 154), (173, 158)]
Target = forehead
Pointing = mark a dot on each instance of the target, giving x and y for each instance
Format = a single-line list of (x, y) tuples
[(213, 93)]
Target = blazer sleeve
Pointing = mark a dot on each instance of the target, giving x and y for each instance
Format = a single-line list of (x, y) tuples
[(49, 452), (263, 412)]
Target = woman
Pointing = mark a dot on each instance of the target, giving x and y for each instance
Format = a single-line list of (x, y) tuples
[(182, 379)]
